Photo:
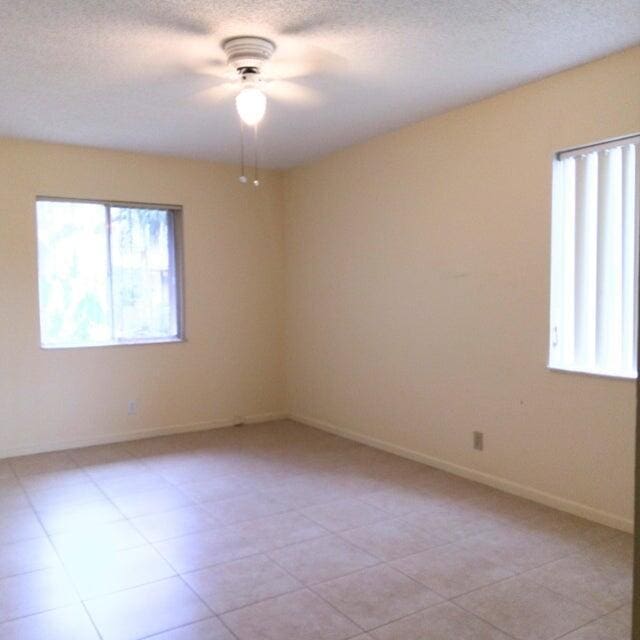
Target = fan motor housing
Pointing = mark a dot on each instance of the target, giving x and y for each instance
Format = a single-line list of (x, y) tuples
[(248, 52)]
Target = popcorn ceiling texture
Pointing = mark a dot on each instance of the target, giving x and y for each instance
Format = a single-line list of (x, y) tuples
[(128, 74)]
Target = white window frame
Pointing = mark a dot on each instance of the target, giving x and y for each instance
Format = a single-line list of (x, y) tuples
[(583, 344), (175, 255)]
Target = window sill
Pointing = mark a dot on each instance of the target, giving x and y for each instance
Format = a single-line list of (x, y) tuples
[(131, 343), (628, 376)]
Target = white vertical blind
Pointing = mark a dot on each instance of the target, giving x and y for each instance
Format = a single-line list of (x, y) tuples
[(594, 264), (630, 212)]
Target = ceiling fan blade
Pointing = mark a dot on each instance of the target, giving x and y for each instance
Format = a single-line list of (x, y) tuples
[(297, 60), (169, 19), (211, 68), (293, 93), (217, 93), (309, 25)]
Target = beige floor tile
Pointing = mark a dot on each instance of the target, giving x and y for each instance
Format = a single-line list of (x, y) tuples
[(20, 525), (42, 463), (392, 539), (147, 610), (66, 518), (236, 584), (142, 503), (210, 629), (100, 454), (401, 501), (376, 596), (194, 470), (103, 472), (272, 619), (177, 522), (517, 550), (219, 488), (278, 531), (98, 539), (453, 521), (600, 630), (451, 570), (579, 531), (620, 616), (618, 551), (322, 559), (67, 623), (512, 509), (345, 514), (50, 480), (441, 622), (6, 472), (599, 585), (97, 574), (12, 498), (205, 549), (526, 610), (27, 555), (242, 508), (305, 495), (77, 493), (34, 592), (116, 486)]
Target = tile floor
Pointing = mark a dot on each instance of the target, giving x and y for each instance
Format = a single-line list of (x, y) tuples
[(282, 532)]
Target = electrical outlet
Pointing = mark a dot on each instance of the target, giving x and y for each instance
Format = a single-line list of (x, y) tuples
[(478, 440), (132, 407)]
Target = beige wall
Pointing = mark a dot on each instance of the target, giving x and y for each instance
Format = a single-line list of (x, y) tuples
[(232, 362), (418, 288)]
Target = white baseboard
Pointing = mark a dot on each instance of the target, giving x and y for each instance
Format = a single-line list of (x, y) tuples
[(125, 436), (257, 418), (550, 500)]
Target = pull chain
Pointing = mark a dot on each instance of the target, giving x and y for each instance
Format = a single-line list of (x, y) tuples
[(243, 174), (256, 180)]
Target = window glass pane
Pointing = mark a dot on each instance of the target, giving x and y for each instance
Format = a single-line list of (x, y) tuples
[(73, 273), (143, 274)]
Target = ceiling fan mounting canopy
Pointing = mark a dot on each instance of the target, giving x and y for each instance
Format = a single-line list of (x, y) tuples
[(248, 53)]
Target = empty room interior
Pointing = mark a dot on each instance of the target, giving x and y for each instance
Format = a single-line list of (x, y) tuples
[(319, 320)]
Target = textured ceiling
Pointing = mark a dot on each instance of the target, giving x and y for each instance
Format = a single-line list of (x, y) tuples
[(145, 75)]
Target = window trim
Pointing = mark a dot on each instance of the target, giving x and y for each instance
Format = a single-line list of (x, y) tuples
[(558, 156), (176, 254)]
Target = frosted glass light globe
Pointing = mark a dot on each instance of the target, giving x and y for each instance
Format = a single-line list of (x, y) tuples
[(251, 104)]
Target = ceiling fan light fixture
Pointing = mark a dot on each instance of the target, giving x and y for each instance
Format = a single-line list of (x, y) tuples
[(247, 54)]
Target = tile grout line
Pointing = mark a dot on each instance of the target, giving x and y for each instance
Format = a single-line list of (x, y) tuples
[(62, 565), (310, 589), (586, 624)]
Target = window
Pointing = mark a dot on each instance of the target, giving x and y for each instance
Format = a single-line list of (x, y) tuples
[(594, 259), (107, 273)]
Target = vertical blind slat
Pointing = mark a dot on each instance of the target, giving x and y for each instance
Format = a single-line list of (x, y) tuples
[(629, 276), (609, 260), (567, 305), (586, 231)]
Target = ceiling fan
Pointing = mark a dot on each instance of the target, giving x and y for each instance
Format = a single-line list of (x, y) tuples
[(253, 80), (253, 69), (247, 54)]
